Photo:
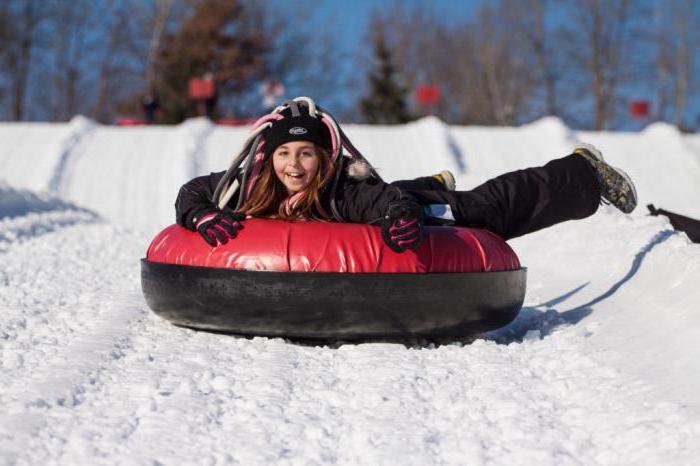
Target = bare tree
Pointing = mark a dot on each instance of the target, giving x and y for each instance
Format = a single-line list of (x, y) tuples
[(544, 52), (24, 19), (98, 57), (163, 9), (664, 64), (482, 66), (683, 66), (676, 38), (488, 77), (602, 48), (503, 66), (308, 61), (6, 33), (529, 19), (116, 32), (71, 25), (124, 72)]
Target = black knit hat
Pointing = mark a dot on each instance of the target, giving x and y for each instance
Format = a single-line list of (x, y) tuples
[(302, 127)]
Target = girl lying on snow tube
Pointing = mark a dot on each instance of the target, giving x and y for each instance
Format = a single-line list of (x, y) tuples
[(293, 168)]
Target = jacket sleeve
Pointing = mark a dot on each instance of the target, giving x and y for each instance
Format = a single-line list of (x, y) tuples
[(194, 199), (367, 201)]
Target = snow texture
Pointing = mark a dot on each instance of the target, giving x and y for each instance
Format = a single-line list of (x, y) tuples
[(601, 366)]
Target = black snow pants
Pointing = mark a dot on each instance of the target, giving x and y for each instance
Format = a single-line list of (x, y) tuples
[(519, 202)]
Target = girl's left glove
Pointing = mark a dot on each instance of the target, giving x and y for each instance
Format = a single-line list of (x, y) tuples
[(218, 227), (402, 225)]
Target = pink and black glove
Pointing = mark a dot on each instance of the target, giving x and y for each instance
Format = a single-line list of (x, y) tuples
[(402, 226), (218, 227)]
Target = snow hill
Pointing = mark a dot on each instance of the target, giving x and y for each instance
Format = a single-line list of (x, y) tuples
[(601, 367)]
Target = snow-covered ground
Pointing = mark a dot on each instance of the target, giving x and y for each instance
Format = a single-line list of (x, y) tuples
[(601, 367)]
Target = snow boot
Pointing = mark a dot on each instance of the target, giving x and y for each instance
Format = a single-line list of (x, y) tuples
[(616, 186), (447, 179)]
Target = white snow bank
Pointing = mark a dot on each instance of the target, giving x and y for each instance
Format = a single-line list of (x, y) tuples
[(87, 163), (491, 151), (16, 202), (664, 167), (408, 151), (91, 375), (601, 367), (632, 283), (693, 143), (31, 153), (24, 214)]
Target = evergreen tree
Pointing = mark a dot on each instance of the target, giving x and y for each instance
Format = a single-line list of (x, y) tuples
[(386, 103)]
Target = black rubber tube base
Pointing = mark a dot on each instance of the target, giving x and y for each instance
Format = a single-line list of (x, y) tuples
[(333, 306)]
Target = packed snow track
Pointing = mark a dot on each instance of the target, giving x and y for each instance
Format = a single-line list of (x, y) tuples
[(601, 367)]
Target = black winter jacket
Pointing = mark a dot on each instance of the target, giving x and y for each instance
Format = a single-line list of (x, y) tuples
[(357, 200)]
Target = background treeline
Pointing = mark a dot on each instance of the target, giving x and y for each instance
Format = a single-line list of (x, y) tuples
[(510, 62), (98, 58), (582, 60)]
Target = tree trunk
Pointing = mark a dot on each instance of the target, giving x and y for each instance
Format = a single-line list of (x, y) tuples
[(163, 8), (597, 68), (544, 59), (29, 19), (682, 70)]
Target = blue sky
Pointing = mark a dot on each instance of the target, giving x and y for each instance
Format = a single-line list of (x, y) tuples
[(353, 16), (349, 20)]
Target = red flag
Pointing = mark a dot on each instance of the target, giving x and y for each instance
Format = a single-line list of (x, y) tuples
[(201, 88), (639, 108), (428, 94)]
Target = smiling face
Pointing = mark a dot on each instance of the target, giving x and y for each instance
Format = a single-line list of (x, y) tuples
[(295, 164)]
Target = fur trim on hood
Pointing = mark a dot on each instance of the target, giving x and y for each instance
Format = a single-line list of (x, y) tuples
[(359, 170)]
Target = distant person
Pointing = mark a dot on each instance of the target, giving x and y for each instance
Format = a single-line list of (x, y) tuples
[(301, 174), (149, 104), (210, 106), (272, 92)]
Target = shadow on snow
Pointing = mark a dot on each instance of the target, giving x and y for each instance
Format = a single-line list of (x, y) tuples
[(16, 203), (547, 320)]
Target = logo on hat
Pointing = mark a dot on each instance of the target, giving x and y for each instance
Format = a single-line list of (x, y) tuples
[(297, 130)]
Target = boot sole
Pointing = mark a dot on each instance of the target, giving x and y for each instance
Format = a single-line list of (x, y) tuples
[(597, 157), (632, 188)]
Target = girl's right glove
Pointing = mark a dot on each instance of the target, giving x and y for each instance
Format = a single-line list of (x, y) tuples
[(402, 225), (220, 226)]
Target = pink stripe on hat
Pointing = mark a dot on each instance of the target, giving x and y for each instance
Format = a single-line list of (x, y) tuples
[(334, 142), (266, 118), (255, 172)]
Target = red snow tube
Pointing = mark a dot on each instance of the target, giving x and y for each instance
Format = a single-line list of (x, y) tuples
[(334, 280)]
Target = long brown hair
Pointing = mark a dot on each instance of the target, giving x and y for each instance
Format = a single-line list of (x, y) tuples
[(269, 195)]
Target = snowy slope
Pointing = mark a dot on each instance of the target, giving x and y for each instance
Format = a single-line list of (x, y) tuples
[(601, 367), (693, 142), (490, 151), (33, 154), (128, 174), (662, 162)]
